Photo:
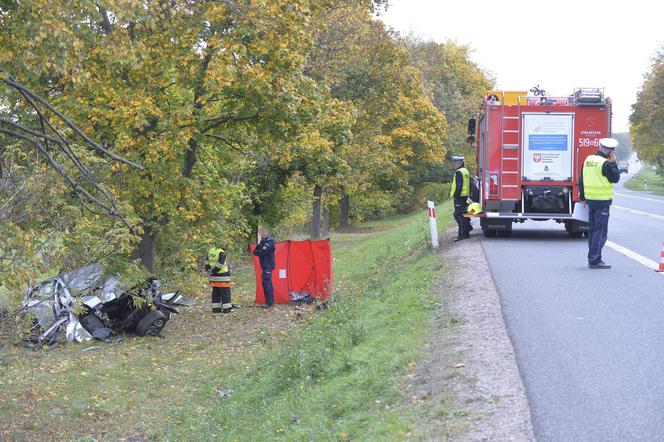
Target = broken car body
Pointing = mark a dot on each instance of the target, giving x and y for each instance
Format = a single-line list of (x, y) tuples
[(87, 304)]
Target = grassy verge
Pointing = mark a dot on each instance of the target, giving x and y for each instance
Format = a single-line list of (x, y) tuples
[(655, 182), (332, 375)]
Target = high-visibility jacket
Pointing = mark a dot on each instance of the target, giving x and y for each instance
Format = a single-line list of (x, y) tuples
[(216, 263), (595, 185), (465, 186)]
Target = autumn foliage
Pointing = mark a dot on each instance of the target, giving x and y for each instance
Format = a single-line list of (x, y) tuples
[(238, 112)]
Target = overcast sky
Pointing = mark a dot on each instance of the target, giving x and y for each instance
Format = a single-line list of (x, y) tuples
[(558, 44)]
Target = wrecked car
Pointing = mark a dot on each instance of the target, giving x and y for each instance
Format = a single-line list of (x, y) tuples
[(88, 303)]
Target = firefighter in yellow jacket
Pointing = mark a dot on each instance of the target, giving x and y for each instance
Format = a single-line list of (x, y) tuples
[(219, 279)]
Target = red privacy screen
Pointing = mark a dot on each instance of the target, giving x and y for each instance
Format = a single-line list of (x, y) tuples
[(300, 266)]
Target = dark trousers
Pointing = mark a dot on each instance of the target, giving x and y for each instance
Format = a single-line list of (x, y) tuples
[(598, 230), (266, 279), (460, 209), (221, 299)]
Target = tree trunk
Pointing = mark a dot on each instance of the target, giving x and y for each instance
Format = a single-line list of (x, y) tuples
[(146, 251), (344, 211), (190, 154), (315, 219), (325, 224), (189, 158)]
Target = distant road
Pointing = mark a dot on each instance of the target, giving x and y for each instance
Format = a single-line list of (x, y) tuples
[(589, 343)]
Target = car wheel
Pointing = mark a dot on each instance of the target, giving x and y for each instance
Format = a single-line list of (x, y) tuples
[(151, 324)]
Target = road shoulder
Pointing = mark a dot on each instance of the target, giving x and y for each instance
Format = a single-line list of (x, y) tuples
[(468, 386)]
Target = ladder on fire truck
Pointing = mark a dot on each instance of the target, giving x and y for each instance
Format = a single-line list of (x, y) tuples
[(510, 156)]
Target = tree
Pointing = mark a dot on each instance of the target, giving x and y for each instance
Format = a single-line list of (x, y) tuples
[(184, 88), (455, 84), (647, 118), (396, 128)]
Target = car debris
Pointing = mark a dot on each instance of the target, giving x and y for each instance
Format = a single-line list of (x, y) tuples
[(88, 303)]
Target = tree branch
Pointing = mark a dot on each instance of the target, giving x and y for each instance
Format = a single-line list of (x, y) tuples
[(11, 82)]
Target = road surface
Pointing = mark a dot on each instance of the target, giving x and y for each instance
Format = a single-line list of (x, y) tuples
[(589, 343)]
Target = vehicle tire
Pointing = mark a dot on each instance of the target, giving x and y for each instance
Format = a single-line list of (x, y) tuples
[(91, 323), (504, 233), (489, 233), (575, 234), (585, 234), (151, 324)]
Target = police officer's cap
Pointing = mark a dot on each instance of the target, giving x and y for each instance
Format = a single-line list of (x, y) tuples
[(456, 158), (608, 143)]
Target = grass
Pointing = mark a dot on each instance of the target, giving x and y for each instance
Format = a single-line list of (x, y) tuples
[(655, 182), (333, 375)]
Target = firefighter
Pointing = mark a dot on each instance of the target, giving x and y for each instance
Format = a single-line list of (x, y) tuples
[(600, 171), (219, 279), (265, 252), (460, 191)]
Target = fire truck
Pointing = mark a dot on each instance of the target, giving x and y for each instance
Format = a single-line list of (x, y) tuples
[(530, 153)]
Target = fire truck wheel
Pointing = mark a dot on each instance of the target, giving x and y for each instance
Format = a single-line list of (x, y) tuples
[(489, 233), (504, 233), (576, 234)]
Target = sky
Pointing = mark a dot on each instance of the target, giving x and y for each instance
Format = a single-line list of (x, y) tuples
[(558, 44)]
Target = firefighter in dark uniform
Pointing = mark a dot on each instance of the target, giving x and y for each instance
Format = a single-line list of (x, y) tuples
[(219, 279), (460, 191), (600, 171), (265, 252)]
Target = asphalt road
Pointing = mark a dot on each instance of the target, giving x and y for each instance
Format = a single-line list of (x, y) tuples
[(589, 343)]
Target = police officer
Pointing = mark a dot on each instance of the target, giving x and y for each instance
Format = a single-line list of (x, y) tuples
[(219, 279), (596, 189), (265, 252), (459, 191)]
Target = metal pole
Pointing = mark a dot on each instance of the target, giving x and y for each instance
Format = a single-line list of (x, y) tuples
[(433, 224)]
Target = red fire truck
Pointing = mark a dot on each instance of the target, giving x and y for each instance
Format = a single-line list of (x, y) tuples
[(530, 152)]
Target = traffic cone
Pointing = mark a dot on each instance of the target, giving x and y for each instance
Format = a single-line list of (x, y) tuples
[(661, 261)]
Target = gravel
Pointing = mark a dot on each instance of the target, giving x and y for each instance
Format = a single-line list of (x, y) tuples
[(468, 386)]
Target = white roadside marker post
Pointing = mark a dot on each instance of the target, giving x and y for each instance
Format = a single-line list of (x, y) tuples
[(433, 224)]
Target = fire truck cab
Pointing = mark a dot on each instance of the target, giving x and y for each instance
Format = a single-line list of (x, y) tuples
[(530, 154)]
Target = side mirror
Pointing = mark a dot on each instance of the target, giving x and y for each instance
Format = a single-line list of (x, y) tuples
[(472, 126)]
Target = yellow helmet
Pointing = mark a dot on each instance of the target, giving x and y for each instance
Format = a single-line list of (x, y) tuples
[(474, 208)]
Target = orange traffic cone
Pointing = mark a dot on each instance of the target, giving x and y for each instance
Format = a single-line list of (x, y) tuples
[(661, 261)]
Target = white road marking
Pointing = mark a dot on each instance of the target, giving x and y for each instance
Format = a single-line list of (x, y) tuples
[(638, 212), (633, 255), (639, 197)]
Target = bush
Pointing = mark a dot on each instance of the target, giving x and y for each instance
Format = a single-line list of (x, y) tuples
[(437, 192)]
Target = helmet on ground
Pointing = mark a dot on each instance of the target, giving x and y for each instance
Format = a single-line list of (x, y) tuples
[(474, 208)]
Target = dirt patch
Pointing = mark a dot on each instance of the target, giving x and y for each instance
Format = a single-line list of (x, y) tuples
[(468, 385)]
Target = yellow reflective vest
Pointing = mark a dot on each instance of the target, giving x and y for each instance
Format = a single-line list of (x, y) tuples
[(595, 185), (220, 272), (465, 187)]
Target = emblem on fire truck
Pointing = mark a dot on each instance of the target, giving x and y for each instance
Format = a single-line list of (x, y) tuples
[(537, 157)]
